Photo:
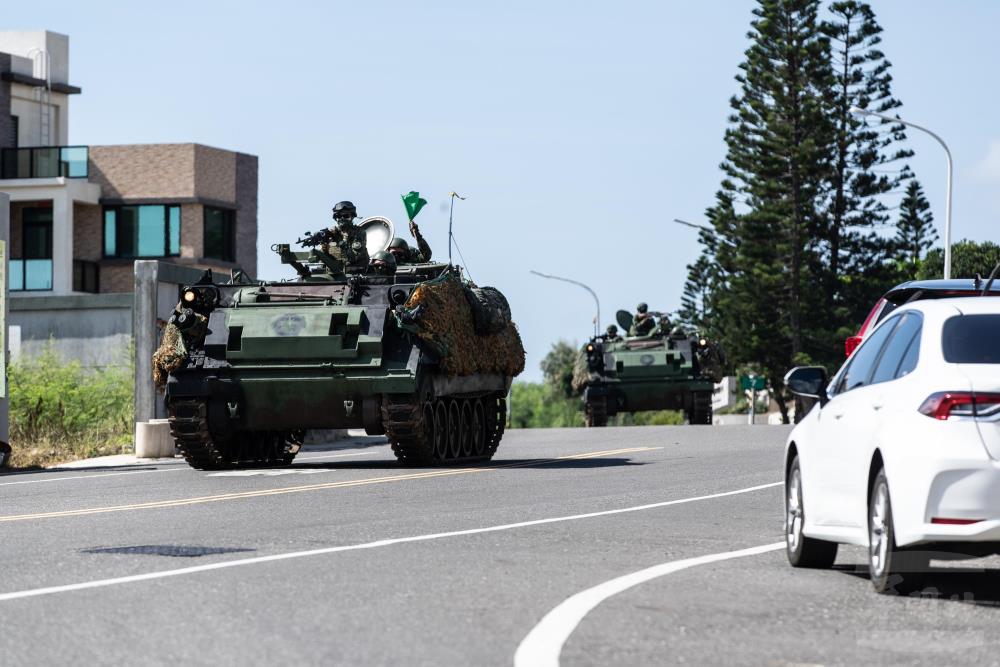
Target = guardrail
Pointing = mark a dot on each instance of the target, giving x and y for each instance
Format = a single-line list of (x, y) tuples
[(44, 162)]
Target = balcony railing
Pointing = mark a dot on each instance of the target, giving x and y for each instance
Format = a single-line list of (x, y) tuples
[(44, 162)]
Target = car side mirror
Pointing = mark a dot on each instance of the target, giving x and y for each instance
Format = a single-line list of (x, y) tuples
[(809, 381)]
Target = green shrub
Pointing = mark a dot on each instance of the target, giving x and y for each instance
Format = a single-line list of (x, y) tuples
[(60, 410)]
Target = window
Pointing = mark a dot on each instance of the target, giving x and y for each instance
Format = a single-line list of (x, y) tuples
[(860, 365), (142, 231), (33, 269), (220, 237), (971, 339), (897, 348), (15, 123)]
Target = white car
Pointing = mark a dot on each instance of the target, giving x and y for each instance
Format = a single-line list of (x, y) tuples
[(901, 453)]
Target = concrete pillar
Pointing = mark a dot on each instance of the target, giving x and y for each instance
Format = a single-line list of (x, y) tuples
[(4, 387), (144, 335), (62, 243)]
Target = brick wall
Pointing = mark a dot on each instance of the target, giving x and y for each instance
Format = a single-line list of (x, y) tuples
[(215, 173), (117, 278), (88, 232), (149, 171), (246, 214), (192, 231)]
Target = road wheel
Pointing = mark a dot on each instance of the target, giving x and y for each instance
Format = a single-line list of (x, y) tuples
[(441, 431), (5, 452), (478, 428), (454, 430), (891, 568), (465, 432), (802, 551)]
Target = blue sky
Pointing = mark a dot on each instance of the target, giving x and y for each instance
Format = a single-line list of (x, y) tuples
[(577, 130)]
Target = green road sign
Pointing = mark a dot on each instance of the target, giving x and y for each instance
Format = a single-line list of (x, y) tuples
[(756, 383)]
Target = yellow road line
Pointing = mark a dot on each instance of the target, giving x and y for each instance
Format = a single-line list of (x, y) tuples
[(313, 487)]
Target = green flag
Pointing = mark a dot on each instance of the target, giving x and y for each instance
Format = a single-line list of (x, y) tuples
[(413, 203)]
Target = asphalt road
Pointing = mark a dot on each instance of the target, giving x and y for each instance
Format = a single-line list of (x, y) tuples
[(346, 558)]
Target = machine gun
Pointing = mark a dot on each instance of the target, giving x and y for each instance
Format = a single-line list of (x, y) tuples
[(312, 240)]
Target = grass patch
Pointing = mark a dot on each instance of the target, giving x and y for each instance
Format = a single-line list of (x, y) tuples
[(61, 411)]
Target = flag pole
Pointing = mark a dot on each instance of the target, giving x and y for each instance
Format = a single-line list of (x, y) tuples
[(451, 215)]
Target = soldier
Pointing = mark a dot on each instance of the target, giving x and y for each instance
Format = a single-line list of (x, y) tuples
[(348, 242), (382, 263), (612, 335), (406, 254), (642, 322)]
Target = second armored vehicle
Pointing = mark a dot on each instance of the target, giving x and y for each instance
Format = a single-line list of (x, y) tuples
[(659, 371)]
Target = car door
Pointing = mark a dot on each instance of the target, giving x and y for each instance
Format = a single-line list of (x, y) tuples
[(881, 401), (845, 433)]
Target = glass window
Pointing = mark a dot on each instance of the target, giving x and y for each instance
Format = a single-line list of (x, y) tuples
[(864, 357), (897, 348), (971, 339), (142, 231), (909, 361), (220, 237), (33, 269), (110, 229)]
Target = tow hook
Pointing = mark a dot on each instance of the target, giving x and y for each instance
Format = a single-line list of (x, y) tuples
[(349, 407), (234, 409)]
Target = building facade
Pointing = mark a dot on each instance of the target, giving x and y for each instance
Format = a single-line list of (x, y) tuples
[(80, 216)]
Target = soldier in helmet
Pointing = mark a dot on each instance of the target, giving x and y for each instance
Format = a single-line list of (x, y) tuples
[(382, 263), (642, 321), (405, 253), (348, 242), (612, 335)]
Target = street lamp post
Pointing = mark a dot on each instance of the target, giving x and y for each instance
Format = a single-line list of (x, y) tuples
[(858, 111), (579, 284)]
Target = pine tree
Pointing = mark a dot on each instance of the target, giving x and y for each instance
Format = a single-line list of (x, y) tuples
[(766, 218), (868, 164), (915, 233), (698, 289)]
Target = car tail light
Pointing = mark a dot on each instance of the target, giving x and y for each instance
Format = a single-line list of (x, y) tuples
[(851, 344), (945, 404)]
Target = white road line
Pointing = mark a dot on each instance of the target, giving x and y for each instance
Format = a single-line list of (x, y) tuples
[(95, 476), (163, 574), (542, 646), (175, 467)]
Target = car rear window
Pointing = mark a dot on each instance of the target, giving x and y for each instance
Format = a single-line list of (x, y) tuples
[(972, 339)]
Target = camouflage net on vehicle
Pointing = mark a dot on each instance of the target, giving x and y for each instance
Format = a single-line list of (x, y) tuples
[(173, 350), (581, 374), (169, 356), (447, 324)]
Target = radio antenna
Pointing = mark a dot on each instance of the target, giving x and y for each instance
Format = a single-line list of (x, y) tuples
[(451, 216)]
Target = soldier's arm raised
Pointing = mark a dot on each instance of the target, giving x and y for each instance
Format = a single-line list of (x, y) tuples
[(422, 246)]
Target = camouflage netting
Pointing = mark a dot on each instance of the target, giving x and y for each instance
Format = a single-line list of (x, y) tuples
[(581, 374), (169, 356), (173, 351), (447, 324)]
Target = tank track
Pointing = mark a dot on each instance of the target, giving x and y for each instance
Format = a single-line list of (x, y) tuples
[(701, 409), (596, 413), (419, 438), (204, 451)]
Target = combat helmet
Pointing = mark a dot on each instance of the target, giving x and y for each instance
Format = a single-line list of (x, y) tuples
[(383, 263), (642, 307), (344, 211), (398, 245)]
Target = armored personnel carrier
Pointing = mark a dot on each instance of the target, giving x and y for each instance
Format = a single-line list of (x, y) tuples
[(663, 370), (421, 355)]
